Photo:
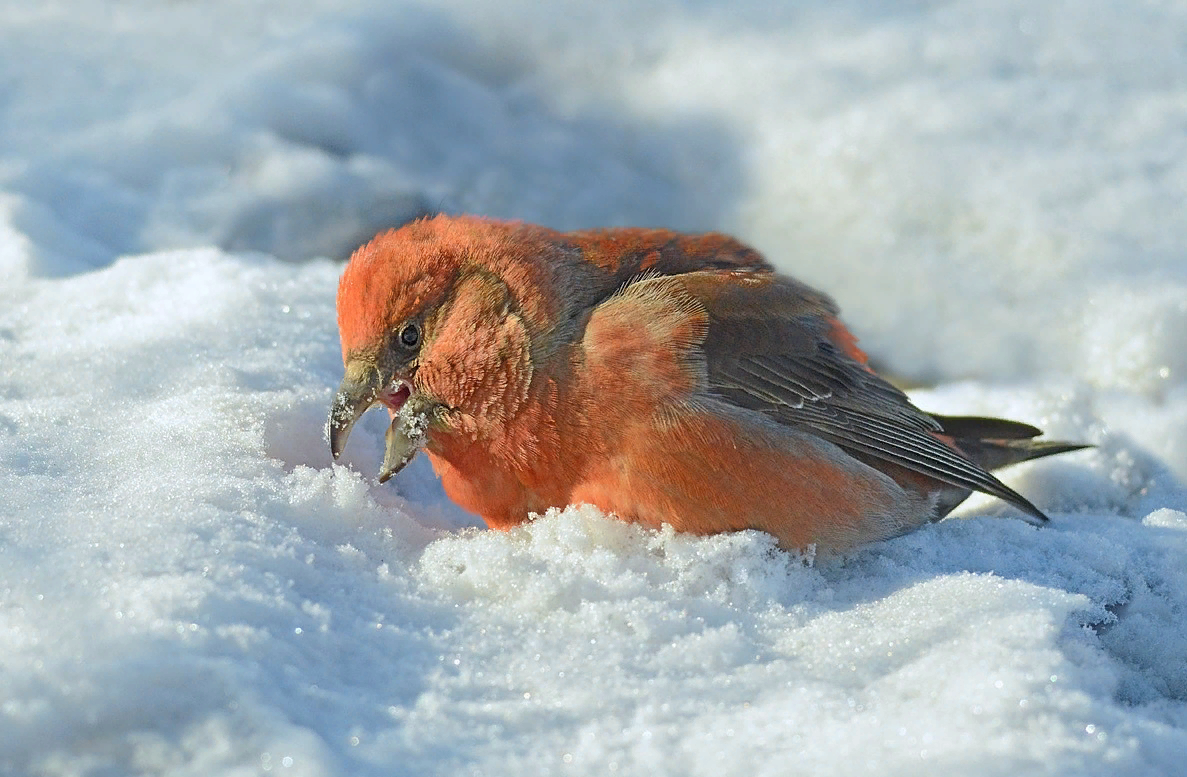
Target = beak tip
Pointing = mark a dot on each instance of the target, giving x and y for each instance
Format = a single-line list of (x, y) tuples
[(337, 443)]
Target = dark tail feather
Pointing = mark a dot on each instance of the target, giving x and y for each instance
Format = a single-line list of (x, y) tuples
[(995, 454), (972, 427), (996, 442)]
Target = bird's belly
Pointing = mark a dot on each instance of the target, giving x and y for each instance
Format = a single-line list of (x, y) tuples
[(710, 474)]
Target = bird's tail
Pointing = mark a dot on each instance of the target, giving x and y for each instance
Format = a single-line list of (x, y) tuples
[(994, 442)]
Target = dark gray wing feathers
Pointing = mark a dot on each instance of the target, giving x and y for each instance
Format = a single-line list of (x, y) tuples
[(793, 373)]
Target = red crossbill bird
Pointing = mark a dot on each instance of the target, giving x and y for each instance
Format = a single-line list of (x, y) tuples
[(661, 377)]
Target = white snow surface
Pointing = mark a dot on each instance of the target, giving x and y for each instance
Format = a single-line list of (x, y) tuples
[(993, 190)]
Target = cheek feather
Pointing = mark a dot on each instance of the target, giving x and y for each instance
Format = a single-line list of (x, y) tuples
[(479, 362)]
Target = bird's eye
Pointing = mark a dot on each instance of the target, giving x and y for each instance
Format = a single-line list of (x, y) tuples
[(410, 335)]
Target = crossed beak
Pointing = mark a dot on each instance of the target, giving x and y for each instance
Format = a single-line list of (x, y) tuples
[(412, 413)]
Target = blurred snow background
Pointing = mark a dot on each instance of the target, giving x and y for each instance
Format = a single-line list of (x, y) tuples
[(993, 191)]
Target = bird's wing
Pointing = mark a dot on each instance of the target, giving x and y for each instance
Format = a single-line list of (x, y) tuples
[(776, 347)]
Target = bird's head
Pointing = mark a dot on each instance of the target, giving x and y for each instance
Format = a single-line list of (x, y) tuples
[(432, 322)]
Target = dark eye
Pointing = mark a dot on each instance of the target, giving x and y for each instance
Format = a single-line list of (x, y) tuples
[(410, 335)]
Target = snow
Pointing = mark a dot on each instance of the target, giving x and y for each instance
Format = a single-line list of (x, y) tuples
[(992, 190)]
